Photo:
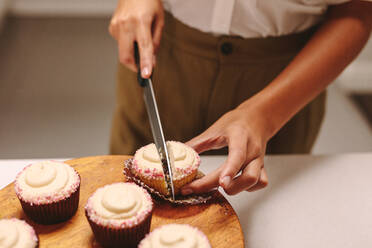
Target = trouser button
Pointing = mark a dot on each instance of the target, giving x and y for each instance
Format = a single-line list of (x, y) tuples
[(226, 48)]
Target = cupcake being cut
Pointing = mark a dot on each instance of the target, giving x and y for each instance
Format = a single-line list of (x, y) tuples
[(148, 168)]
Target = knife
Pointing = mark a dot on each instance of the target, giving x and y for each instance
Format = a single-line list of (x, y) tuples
[(156, 128)]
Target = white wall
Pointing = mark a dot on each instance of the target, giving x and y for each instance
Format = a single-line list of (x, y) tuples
[(357, 78), (93, 8)]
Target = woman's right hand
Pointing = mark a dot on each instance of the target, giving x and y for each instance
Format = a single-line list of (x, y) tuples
[(141, 21)]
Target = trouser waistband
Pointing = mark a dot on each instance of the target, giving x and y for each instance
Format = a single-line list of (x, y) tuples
[(232, 49)]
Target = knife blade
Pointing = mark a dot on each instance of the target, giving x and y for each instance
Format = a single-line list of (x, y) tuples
[(155, 123)]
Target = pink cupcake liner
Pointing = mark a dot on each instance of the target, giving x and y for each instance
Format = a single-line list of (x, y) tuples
[(38, 241)]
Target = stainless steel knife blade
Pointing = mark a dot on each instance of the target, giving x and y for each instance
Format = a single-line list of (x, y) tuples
[(157, 132)]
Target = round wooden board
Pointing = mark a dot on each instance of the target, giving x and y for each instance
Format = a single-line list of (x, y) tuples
[(216, 219)]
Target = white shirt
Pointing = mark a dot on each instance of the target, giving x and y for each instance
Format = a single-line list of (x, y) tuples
[(250, 18)]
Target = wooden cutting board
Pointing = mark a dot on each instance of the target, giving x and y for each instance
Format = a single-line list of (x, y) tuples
[(216, 219)]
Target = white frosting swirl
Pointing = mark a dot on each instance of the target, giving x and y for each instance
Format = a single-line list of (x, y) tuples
[(183, 156), (15, 233), (44, 174), (175, 236), (46, 181), (119, 202)]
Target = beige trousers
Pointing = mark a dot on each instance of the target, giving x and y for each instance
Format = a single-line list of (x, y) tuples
[(199, 77)]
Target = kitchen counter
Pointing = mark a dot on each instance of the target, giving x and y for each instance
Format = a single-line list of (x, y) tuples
[(311, 201)]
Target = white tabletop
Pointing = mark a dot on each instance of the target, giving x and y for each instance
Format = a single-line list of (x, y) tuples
[(311, 201)]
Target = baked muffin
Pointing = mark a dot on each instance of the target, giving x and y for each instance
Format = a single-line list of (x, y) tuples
[(119, 214), (48, 191), (15, 233), (175, 236), (147, 166)]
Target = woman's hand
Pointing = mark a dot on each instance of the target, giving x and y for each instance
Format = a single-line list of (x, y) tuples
[(247, 129), (141, 21), (243, 131)]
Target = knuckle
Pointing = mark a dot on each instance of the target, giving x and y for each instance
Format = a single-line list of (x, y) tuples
[(111, 30), (145, 43), (249, 179), (240, 155), (228, 191), (244, 131), (161, 25), (232, 129), (124, 21), (264, 182), (113, 22), (156, 44), (256, 148), (125, 60), (196, 188), (128, 19), (144, 19), (111, 27)]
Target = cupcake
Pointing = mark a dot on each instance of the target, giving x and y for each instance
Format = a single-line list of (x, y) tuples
[(48, 191), (147, 166), (15, 233), (119, 214), (175, 236)]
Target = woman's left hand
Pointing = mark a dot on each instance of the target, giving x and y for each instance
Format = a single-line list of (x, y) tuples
[(247, 129), (244, 132)]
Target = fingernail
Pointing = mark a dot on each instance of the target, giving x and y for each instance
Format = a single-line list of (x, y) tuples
[(186, 191), (225, 181), (145, 72)]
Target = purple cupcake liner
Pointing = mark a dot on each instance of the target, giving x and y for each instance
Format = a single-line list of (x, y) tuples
[(128, 237), (38, 242), (52, 213)]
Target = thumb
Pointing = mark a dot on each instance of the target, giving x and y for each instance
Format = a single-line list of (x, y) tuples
[(203, 184), (206, 141)]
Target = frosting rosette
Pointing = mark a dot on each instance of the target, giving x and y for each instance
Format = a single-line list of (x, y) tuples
[(119, 214), (48, 191), (147, 165), (46, 182), (15, 233), (119, 205), (175, 236)]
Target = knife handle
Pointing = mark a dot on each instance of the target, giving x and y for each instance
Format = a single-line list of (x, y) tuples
[(142, 81)]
